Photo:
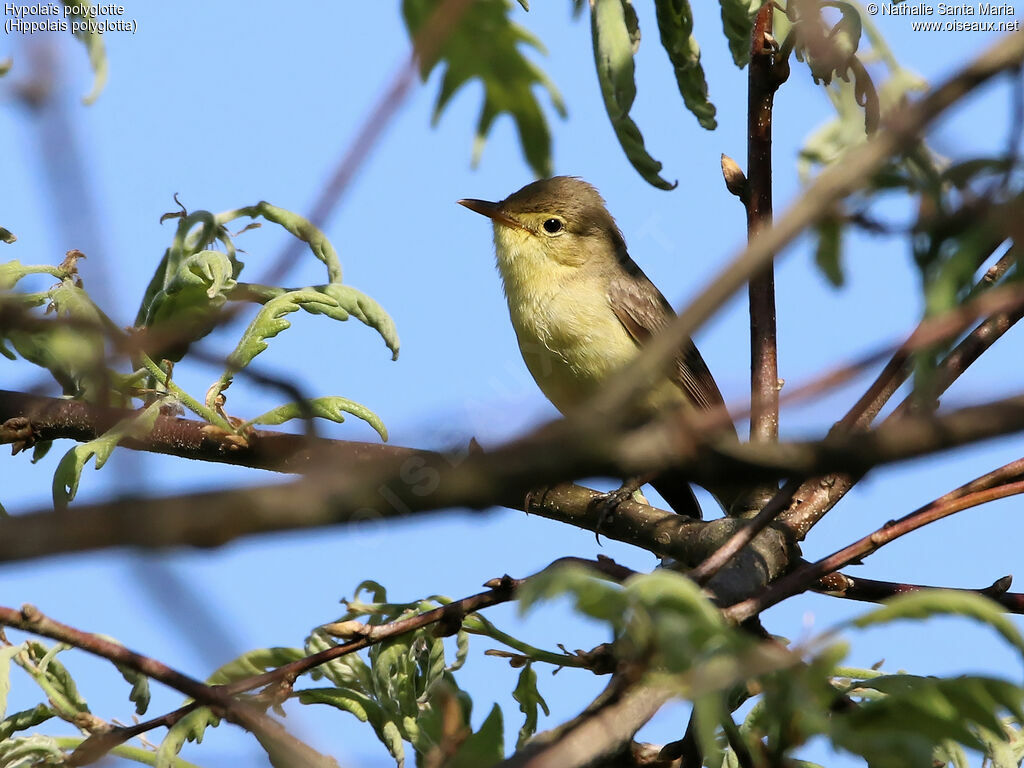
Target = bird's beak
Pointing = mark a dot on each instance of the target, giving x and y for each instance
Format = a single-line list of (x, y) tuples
[(492, 211)]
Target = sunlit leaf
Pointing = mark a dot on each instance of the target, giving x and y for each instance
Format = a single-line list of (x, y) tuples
[(485, 46), (613, 42), (69, 470), (330, 408), (675, 23)]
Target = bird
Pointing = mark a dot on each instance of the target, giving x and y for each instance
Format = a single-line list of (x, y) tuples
[(582, 309)]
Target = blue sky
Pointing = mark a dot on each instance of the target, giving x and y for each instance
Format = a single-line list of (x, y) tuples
[(226, 104)]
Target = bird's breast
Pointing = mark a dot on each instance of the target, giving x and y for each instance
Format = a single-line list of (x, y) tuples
[(570, 339)]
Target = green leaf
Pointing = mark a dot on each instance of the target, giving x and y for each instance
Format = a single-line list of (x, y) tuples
[(738, 25), (255, 662), (41, 663), (484, 748), (962, 174), (593, 596), (344, 699), (25, 719), (13, 271), (6, 654), (349, 301), (613, 42), (349, 672), (35, 750), (485, 46), (937, 602), (269, 322), (304, 230), (675, 23), (93, 42), (40, 449), (192, 727), (139, 694), (829, 249), (918, 715), (330, 408), (188, 306), (461, 650), (530, 701), (69, 470)]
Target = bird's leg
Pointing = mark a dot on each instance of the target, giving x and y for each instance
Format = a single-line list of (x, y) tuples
[(606, 503)]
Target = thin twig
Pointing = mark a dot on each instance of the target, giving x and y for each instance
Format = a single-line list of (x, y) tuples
[(764, 370), (873, 591), (818, 496), (270, 733), (449, 618)]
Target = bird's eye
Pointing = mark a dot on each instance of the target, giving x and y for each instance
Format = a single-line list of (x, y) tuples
[(552, 226)]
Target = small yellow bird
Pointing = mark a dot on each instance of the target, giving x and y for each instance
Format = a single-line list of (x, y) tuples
[(582, 308)]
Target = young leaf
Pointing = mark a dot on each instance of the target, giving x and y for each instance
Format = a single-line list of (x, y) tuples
[(93, 42), (613, 42), (330, 408), (6, 654), (255, 662), (918, 714), (301, 228), (358, 704), (675, 23), (69, 471), (139, 694), (269, 322), (530, 700), (350, 301), (827, 254), (188, 304), (27, 718), (485, 46), (192, 727), (35, 750)]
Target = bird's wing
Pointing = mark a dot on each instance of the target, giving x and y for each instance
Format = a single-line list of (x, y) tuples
[(643, 312)]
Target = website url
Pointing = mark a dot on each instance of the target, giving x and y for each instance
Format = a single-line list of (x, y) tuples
[(956, 25)]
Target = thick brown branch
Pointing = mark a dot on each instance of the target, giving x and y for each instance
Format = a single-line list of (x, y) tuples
[(26, 419), (602, 729)]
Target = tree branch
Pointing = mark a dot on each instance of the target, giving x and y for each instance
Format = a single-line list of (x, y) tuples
[(803, 577), (872, 591), (764, 369), (271, 734)]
